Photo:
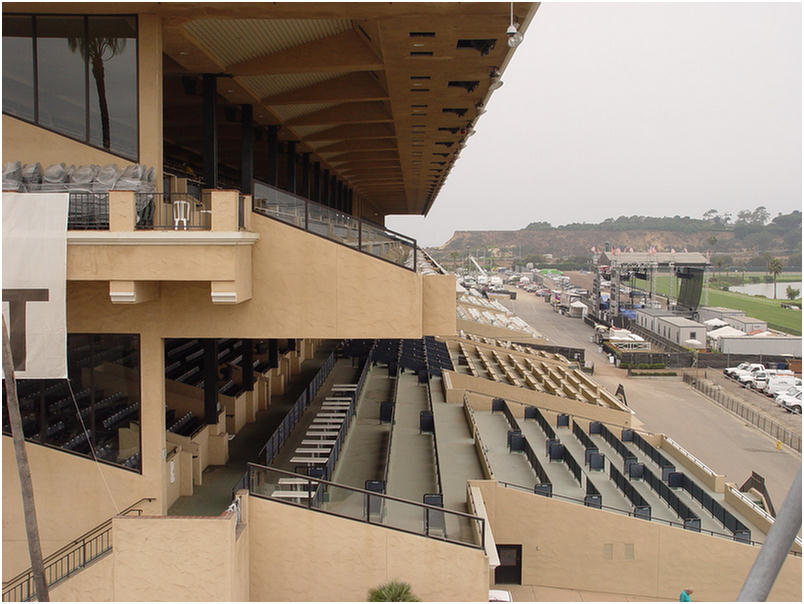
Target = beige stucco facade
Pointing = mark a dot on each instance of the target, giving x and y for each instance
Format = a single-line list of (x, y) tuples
[(298, 555), (565, 545)]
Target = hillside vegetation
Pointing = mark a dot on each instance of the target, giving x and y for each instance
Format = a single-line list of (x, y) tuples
[(745, 241)]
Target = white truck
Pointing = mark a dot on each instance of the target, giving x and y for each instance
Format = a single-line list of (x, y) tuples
[(746, 375), (730, 371)]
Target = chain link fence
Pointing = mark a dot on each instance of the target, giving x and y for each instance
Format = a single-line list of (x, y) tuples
[(748, 413)]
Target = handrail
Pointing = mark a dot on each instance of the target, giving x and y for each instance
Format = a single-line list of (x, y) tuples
[(630, 513), (300, 217), (320, 481), (63, 557)]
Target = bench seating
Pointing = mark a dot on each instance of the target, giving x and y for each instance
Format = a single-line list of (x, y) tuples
[(319, 442)]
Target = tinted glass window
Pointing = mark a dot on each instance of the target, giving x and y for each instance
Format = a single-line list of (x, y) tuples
[(75, 75), (18, 88), (112, 50), (100, 413), (62, 74)]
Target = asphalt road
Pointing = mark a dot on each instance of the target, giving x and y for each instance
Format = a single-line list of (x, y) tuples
[(720, 439)]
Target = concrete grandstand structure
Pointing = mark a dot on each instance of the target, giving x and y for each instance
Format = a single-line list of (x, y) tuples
[(272, 397)]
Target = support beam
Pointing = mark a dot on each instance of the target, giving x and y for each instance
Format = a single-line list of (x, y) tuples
[(316, 182), (291, 167), (273, 353), (211, 380), (325, 188), (358, 86), (247, 149), (210, 131), (305, 184), (273, 155), (247, 364)]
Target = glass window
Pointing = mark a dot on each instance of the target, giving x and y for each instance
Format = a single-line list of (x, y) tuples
[(112, 51), (18, 75), (61, 74), (75, 75), (105, 378)]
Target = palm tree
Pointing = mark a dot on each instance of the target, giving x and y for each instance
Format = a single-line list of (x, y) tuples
[(394, 591), (24, 470), (774, 268), (454, 256), (98, 50)]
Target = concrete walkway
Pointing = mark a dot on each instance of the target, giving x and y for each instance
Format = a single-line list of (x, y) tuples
[(508, 467), (214, 496)]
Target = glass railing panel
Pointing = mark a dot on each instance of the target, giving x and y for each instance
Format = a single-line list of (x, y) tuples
[(363, 505), (386, 244), (279, 204), (335, 225)]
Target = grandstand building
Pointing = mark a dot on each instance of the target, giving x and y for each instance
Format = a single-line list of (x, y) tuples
[(273, 397)]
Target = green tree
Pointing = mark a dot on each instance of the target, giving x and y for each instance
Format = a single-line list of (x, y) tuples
[(792, 292), (454, 256), (395, 591), (774, 268)]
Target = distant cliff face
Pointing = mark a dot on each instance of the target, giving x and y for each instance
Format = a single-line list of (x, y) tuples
[(565, 243)]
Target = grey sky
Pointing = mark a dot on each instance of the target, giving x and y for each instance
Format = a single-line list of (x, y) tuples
[(622, 109)]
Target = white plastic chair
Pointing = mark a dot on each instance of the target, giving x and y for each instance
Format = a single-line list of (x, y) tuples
[(181, 213)]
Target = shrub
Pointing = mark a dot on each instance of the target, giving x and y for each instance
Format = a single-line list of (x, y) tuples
[(395, 591)]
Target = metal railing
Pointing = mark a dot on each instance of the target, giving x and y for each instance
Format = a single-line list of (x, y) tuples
[(173, 210), (280, 435), (340, 227), (630, 513), (359, 504), (88, 211), (69, 559), (748, 413)]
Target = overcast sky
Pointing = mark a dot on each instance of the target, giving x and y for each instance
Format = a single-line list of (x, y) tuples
[(623, 109)]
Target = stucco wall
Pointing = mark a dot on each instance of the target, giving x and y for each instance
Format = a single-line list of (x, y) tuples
[(95, 583), (570, 546), (65, 486), (303, 287), (174, 558), (299, 555), (438, 305)]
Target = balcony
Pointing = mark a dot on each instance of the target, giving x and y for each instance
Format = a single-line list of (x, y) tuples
[(305, 270), (135, 241)]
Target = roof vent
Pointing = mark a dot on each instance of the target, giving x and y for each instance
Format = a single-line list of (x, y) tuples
[(483, 46), (469, 85), (459, 111)]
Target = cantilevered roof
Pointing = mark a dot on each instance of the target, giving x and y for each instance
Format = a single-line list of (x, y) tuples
[(384, 95)]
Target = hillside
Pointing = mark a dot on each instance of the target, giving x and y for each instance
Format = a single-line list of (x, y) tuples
[(746, 242)]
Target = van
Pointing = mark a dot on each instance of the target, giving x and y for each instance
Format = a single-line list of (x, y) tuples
[(761, 378), (780, 383)]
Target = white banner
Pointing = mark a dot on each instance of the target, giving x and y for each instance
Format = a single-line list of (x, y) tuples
[(35, 282)]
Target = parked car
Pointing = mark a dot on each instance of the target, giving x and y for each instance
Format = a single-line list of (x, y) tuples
[(791, 403), (731, 371), (746, 377), (792, 391)]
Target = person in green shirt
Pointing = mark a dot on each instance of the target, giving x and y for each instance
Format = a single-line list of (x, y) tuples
[(685, 595)]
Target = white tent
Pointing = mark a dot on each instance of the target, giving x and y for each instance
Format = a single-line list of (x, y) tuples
[(727, 330), (715, 323)]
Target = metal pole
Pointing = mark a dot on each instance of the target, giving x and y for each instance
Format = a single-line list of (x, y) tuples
[(26, 485), (780, 538)]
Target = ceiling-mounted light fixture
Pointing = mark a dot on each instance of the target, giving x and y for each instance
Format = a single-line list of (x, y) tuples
[(515, 37), (496, 82)]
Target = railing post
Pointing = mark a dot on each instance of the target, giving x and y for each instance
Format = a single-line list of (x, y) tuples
[(360, 234), (306, 214)]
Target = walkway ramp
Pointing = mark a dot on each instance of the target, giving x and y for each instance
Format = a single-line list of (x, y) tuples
[(411, 472), (508, 467)]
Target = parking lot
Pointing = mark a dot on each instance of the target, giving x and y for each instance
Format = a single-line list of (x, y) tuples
[(725, 442)]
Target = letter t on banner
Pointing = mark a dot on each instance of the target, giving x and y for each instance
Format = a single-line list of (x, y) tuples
[(35, 282)]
